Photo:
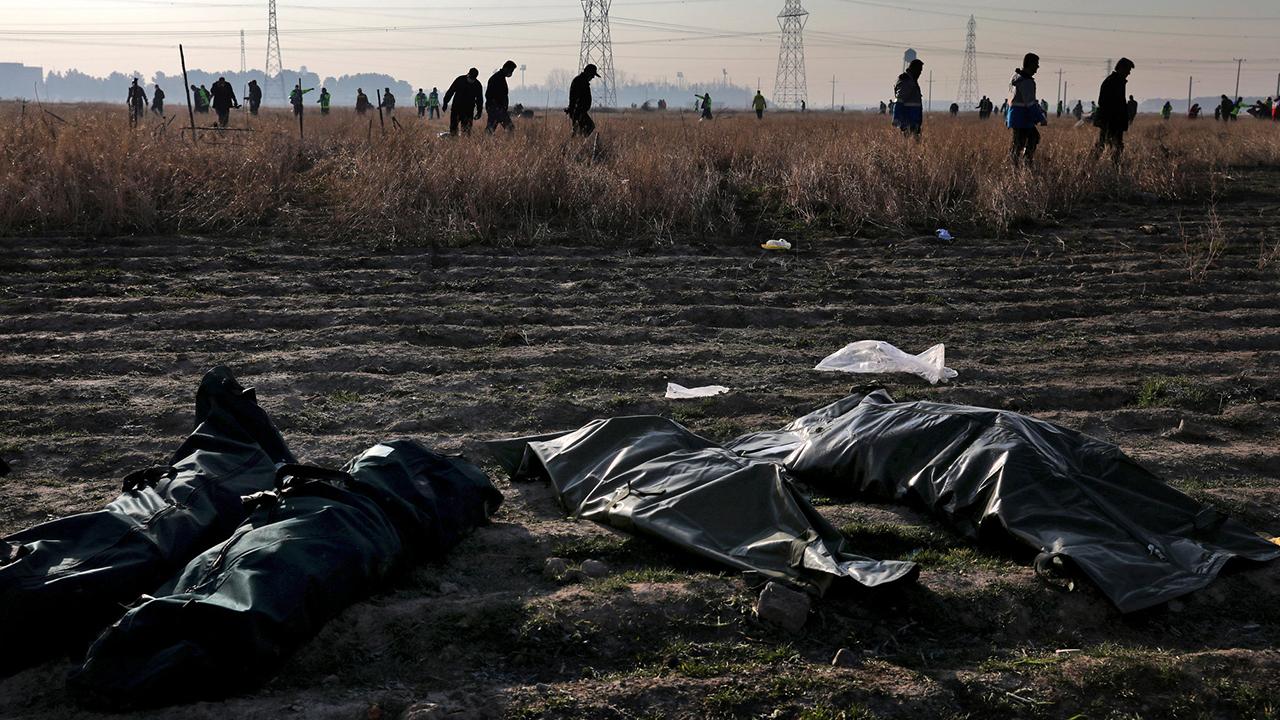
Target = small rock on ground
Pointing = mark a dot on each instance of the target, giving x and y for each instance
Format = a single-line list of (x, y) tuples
[(783, 607)]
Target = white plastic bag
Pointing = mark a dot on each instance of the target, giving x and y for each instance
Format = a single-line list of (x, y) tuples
[(680, 392), (778, 244), (876, 356)]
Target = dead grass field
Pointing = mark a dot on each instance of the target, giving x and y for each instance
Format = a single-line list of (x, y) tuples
[(1084, 318), (645, 177)]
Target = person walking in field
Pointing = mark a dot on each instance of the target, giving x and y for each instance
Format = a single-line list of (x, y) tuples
[(1132, 107), (1078, 111), (325, 100), (1166, 112), (420, 102), (1025, 112), (362, 102), (1112, 118), (388, 101), (467, 96), (580, 102), (705, 104), (157, 101), (137, 102), (433, 104), (908, 108), (205, 99), (497, 98), (758, 104), (224, 98), (255, 97)]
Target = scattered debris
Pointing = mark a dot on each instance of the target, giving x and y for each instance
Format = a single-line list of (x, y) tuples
[(680, 392), (1151, 229), (1190, 432), (783, 607), (944, 234), (778, 244), (877, 356)]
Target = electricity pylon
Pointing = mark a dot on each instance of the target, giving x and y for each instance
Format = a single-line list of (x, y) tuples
[(791, 86)]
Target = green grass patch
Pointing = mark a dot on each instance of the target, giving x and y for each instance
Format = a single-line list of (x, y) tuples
[(1179, 391)]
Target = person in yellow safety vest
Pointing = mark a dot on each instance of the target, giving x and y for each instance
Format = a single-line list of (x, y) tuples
[(908, 110), (1025, 112), (433, 104), (705, 104), (420, 100), (758, 104), (1235, 109), (1166, 112), (325, 100), (295, 99)]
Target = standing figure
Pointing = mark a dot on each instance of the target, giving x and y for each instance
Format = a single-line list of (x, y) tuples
[(224, 98), (205, 99), (758, 104), (325, 100), (954, 109), (1025, 112), (157, 101), (388, 101), (255, 97), (1166, 112), (1078, 111), (362, 102), (137, 102), (883, 107), (467, 96), (433, 104), (497, 98), (1132, 107), (420, 101), (580, 101), (295, 98), (908, 110), (705, 104), (1112, 118)]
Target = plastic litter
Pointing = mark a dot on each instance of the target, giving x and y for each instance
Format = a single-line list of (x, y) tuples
[(943, 234), (877, 356), (778, 244), (680, 392)]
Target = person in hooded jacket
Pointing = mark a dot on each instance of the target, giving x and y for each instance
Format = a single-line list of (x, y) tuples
[(224, 98), (255, 97), (467, 96)]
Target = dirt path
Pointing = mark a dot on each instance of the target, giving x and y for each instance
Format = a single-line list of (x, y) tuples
[(1093, 324)]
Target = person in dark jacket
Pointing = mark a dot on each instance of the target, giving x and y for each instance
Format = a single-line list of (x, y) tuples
[(157, 101), (224, 98), (1133, 110), (908, 108), (362, 102), (255, 97), (466, 94), (580, 101), (1112, 115), (388, 101), (496, 99), (137, 100)]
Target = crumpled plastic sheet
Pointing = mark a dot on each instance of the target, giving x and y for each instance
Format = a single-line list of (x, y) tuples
[(877, 356), (680, 392)]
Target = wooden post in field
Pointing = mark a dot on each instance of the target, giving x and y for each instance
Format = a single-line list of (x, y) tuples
[(186, 85), (381, 123), (301, 135), (1190, 78)]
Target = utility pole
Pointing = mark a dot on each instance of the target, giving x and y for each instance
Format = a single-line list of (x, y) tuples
[(791, 86), (522, 69), (243, 64), (1190, 79), (1059, 87), (1239, 64), (833, 92), (930, 91), (597, 46), (274, 62)]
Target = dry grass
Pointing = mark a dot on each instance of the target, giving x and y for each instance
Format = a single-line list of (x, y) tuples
[(644, 177)]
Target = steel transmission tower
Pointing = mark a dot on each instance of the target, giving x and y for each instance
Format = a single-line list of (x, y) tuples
[(791, 86), (597, 47), (274, 66), (243, 63), (968, 95)]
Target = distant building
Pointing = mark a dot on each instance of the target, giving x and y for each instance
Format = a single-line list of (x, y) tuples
[(19, 81)]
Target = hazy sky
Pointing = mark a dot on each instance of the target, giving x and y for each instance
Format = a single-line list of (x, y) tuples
[(860, 42)]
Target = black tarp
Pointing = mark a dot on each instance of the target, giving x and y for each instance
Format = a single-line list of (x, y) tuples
[(653, 477), (62, 581), (226, 622), (994, 473)]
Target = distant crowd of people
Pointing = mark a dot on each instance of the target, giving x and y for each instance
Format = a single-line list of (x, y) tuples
[(468, 98)]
